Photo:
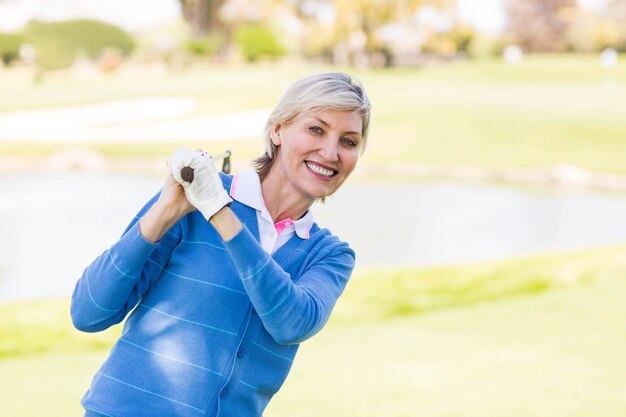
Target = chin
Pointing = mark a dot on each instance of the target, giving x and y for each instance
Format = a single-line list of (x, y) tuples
[(319, 194), (322, 189)]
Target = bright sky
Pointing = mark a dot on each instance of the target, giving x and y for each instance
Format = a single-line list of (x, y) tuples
[(486, 15)]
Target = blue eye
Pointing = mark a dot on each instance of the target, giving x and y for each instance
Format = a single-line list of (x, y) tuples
[(316, 130), (349, 142)]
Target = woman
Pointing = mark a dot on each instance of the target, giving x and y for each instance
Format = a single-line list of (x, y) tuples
[(226, 275)]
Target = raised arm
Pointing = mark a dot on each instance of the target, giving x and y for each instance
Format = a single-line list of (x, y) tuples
[(292, 308), (114, 282)]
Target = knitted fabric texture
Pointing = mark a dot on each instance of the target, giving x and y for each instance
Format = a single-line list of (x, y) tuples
[(214, 326)]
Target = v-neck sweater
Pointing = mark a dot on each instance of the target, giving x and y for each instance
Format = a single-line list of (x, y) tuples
[(214, 326), (246, 188)]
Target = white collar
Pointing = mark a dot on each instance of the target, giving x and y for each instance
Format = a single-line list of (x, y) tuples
[(246, 189)]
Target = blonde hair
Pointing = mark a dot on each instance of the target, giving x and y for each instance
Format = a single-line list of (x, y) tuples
[(326, 91)]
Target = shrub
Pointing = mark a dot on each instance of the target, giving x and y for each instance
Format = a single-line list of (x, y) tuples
[(256, 42), (10, 47), (205, 46), (463, 36), (52, 54), (457, 40), (59, 43)]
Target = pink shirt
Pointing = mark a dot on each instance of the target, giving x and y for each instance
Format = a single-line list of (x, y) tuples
[(246, 189)]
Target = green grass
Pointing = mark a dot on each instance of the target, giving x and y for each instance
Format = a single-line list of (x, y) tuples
[(377, 295), (558, 353), (44, 327), (544, 111), (524, 337)]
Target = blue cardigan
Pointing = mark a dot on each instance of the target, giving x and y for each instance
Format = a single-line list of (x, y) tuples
[(214, 326)]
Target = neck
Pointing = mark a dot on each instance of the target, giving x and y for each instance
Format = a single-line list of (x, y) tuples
[(281, 200)]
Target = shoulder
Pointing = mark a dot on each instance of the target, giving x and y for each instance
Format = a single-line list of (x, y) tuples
[(322, 239), (325, 250)]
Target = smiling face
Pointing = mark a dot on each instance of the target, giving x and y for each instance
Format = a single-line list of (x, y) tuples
[(317, 152)]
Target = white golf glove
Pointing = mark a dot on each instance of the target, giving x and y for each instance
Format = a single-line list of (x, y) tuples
[(205, 192)]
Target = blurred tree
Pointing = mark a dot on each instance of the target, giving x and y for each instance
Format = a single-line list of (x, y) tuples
[(540, 25), (10, 47), (366, 16), (616, 13), (328, 28), (450, 43), (58, 44), (260, 29), (204, 46), (257, 41), (203, 16), (356, 23), (601, 27)]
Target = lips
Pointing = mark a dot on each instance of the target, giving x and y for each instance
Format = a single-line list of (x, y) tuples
[(320, 170)]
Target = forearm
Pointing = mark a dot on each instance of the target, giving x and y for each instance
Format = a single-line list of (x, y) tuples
[(226, 223), (109, 286), (158, 220), (291, 312), (113, 283)]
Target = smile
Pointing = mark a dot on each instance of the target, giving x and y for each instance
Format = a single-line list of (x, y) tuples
[(319, 170)]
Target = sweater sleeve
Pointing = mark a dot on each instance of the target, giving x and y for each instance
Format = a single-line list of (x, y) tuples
[(291, 311), (116, 280)]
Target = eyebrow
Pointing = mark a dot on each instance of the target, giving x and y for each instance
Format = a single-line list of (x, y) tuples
[(351, 132)]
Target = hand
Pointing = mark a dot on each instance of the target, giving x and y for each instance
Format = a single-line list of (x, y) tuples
[(173, 200), (205, 192), (171, 206)]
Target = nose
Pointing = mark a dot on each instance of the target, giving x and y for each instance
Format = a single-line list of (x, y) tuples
[(330, 150)]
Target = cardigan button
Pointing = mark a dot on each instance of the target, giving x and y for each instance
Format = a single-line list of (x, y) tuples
[(224, 393), (241, 352)]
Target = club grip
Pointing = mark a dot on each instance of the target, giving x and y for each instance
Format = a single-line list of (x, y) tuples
[(187, 174), (226, 163)]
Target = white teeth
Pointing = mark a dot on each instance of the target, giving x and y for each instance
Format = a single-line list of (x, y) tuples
[(319, 170)]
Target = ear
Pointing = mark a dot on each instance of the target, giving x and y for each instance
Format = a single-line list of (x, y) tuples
[(275, 135)]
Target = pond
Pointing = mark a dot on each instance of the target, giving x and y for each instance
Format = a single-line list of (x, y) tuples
[(52, 225)]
